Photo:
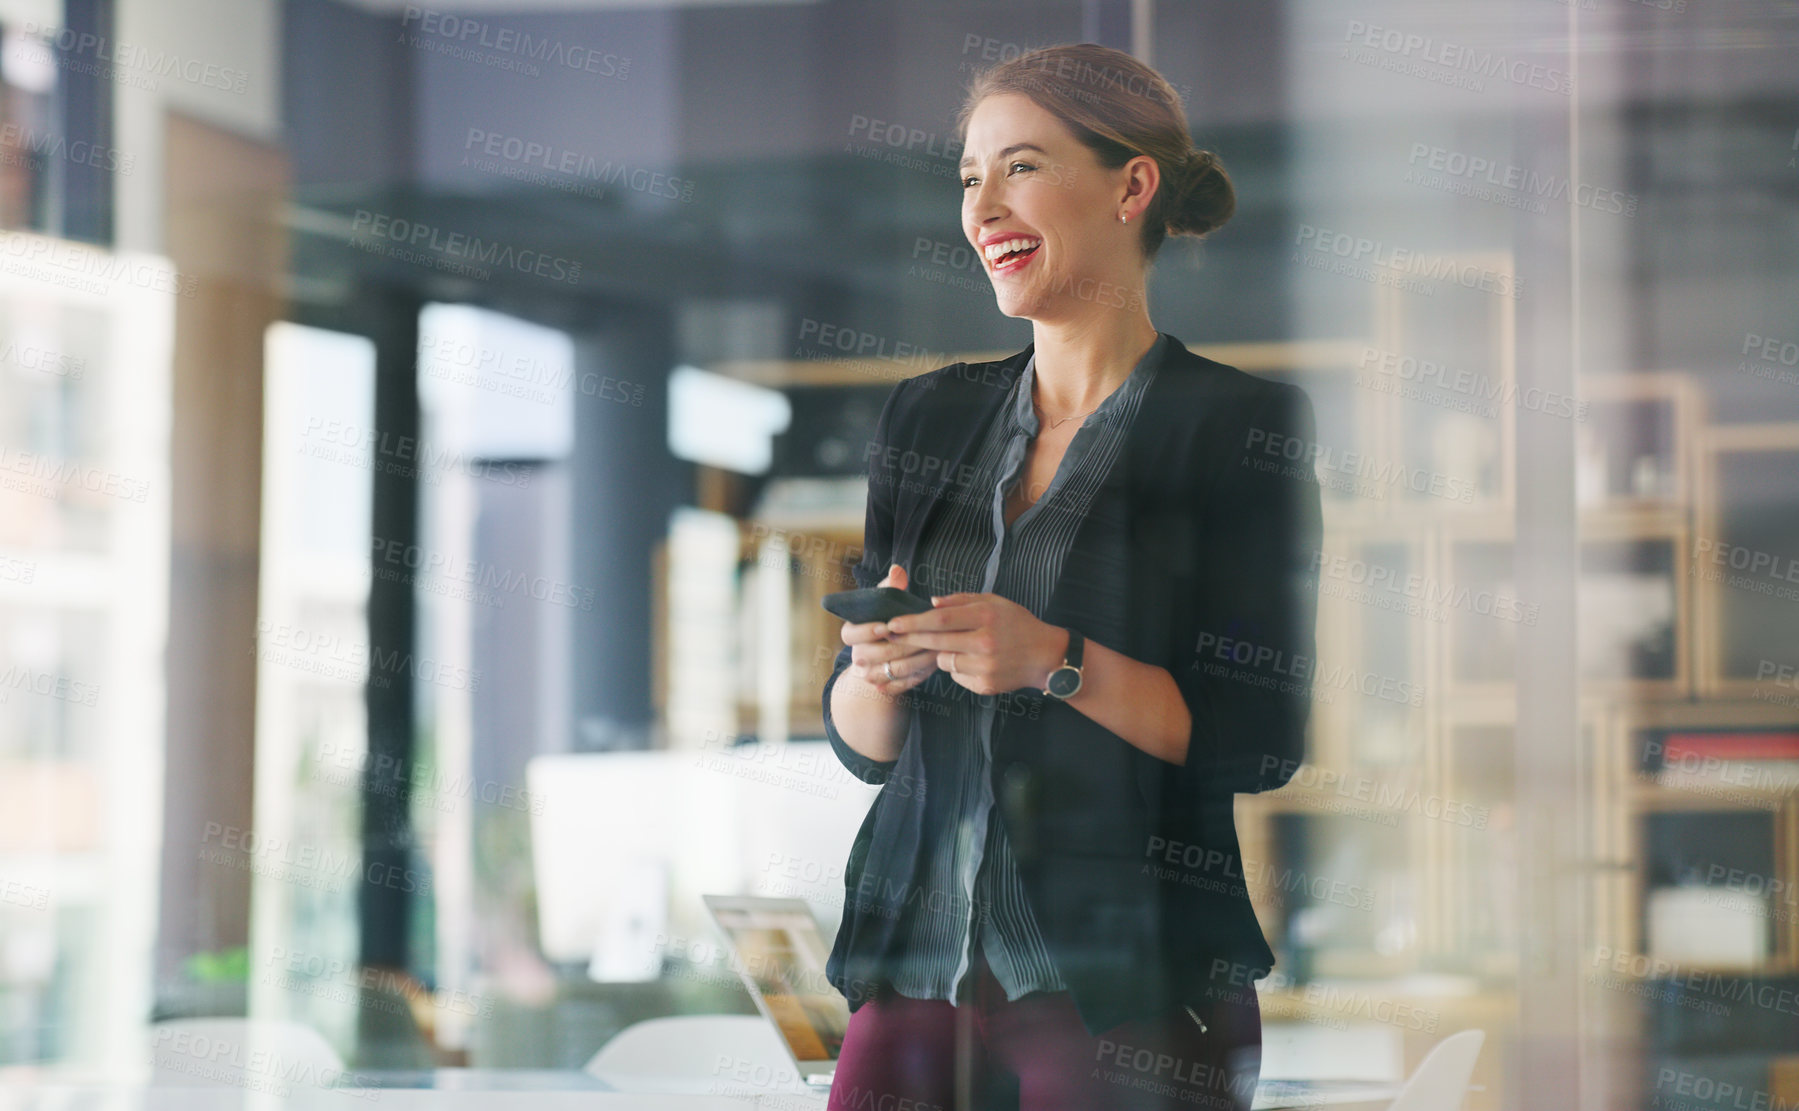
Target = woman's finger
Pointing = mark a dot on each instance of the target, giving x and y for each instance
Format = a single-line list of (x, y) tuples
[(909, 667), (900, 685), (972, 641), (876, 653), (884, 663), (868, 632)]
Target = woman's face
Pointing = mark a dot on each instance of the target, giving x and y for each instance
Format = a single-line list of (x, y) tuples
[(1028, 184)]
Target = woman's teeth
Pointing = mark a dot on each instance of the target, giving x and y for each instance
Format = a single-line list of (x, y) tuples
[(1007, 251)]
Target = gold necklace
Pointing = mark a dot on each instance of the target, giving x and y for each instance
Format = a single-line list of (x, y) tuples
[(1054, 424)]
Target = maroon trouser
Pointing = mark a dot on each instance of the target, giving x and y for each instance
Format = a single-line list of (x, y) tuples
[(1033, 1054)]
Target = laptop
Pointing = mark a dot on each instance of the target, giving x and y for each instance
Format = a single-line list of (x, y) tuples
[(780, 956)]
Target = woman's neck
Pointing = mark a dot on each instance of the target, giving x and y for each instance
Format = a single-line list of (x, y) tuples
[(1080, 363)]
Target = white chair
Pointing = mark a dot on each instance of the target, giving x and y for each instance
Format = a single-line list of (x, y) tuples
[(260, 1054), (1441, 1079), (696, 1053)]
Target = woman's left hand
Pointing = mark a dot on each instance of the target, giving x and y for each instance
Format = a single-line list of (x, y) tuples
[(987, 643)]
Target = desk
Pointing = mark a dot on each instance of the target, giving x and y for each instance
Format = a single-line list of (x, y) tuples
[(521, 1090)]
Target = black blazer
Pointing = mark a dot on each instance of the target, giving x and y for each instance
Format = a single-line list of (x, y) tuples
[(1131, 863)]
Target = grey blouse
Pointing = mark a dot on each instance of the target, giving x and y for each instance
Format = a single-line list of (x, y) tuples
[(971, 873)]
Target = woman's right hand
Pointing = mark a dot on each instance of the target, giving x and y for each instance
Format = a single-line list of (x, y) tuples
[(871, 651)]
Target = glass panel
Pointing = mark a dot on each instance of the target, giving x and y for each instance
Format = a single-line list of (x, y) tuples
[(314, 664), (1530, 264)]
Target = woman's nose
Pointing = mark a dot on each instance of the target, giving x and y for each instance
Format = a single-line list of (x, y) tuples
[(985, 203)]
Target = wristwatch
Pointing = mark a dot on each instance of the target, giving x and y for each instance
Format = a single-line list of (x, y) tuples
[(1065, 681)]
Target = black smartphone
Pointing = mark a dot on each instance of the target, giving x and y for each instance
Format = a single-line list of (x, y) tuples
[(876, 603)]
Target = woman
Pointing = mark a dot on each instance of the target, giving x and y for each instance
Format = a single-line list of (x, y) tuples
[(1118, 538)]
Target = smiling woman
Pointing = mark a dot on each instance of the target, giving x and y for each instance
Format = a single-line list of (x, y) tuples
[(1095, 521)]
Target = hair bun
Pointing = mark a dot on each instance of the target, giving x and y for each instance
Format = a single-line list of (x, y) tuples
[(1202, 198)]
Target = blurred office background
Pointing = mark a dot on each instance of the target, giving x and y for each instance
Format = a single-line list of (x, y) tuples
[(426, 430)]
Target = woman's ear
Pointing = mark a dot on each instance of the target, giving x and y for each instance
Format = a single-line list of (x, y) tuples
[(1142, 178)]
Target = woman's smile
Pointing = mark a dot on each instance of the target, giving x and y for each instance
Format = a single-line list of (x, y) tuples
[(1008, 254)]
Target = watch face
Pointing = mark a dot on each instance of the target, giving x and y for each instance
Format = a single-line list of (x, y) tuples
[(1064, 682)]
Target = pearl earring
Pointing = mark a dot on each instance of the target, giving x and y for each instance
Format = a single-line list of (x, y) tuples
[(1123, 219)]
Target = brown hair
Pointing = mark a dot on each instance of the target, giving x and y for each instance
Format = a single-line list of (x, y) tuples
[(1119, 108)]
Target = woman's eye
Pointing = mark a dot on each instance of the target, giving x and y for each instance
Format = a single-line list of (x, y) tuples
[(971, 180)]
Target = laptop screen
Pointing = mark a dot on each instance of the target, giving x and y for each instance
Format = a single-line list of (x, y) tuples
[(782, 958)]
